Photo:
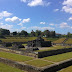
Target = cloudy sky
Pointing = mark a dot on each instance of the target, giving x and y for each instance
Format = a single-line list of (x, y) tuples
[(17, 15)]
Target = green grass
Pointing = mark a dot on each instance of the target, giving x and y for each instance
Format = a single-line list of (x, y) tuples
[(38, 63), (59, 40), (54, 48), (15, 57), (18, 39), (25, 39), (6, 68), (60, 57), (24, 44), (68, 69), (69, 41), (50, 39)]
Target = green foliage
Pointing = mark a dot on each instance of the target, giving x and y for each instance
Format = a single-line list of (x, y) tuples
[(32, 33), (38, 33), (24, 33), (4, 32), (7, 68), (14, 33)]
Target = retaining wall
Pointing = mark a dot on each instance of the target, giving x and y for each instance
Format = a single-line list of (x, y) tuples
[(53, 52), (51, 68), (20, 66)]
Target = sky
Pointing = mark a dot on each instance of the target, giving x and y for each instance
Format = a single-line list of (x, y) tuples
[(54, 15)]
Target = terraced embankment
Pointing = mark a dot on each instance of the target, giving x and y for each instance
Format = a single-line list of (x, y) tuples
[(47, 64)]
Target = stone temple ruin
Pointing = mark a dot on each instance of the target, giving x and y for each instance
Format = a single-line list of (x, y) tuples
[(39, 42)]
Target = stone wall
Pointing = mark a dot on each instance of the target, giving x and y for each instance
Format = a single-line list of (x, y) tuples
[(51, 68), (20, 66), (53, 52), (58, 66), (62, 44)]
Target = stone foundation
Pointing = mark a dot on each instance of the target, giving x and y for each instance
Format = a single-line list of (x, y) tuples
[(50, 68)]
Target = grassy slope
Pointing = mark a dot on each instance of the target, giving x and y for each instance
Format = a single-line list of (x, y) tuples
[(54, 48), (68, 69), (69, 41), (15, 57), (18, 39), (25, 39), (39, 63), (60, 57), (59, 40), (50, 39), (6, 68)]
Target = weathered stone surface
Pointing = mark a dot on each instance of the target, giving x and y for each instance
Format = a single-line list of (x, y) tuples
[(53, 52), (39, 42), (17, 45), (6, 44), (0, 41), (28, 68)]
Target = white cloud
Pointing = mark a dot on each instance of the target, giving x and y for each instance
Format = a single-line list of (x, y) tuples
[(55, 10), (70, 18), (4, 14), (26, 20), (13, 19), (67, 6), (23, 27), (6, 26), (36, 2), (42, 22), (23, 0), (21, 24), (64, 25), (51, 24), (1, 23), (42, 28)]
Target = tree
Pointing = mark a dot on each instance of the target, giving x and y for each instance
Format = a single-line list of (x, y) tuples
[(14, 33), (38, 33), (47, 33), (68, 34), (52, 34), (32, 33), (4, 32), (24, 33)]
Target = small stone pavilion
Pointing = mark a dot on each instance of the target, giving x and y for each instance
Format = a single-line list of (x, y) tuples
[(39, 42)]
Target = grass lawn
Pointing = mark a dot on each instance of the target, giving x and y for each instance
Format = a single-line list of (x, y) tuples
[(50, 39), (15, 57), (59, 57), (54, 48), (25, 39), (69, 41), (24, 44), (38, 63), (6, 68), (59, 40), (68, 69), (18, 39)]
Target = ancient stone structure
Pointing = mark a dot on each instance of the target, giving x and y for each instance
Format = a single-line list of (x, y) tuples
[(6, 44), (39, 42), (17, 45)]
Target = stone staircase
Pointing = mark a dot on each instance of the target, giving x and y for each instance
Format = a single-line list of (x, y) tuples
[(64, 40)]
